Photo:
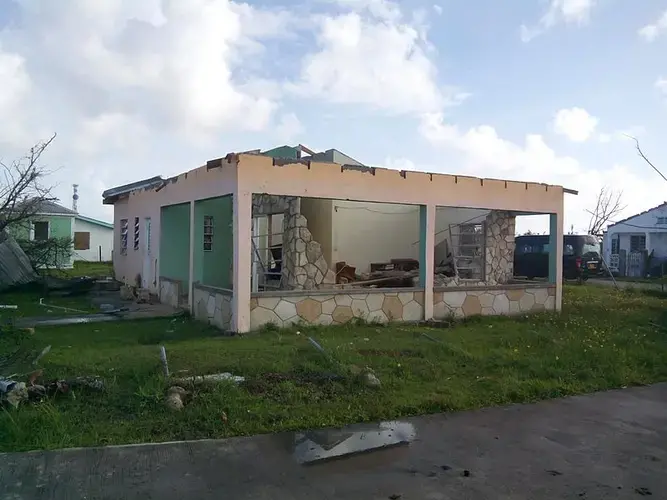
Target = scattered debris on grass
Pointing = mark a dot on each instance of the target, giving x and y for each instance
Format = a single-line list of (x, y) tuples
[(369, 379), (215, 378), (163, 359), (175, 399)]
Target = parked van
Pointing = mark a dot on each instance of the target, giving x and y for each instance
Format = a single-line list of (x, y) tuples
[(581, 256)]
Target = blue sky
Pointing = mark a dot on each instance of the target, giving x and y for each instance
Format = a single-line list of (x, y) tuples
[(537, 90)]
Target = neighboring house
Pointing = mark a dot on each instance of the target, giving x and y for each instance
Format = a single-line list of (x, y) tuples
[(637, 246), (92, 239), (196, 240)]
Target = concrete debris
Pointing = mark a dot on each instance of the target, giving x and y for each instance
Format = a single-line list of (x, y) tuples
[(369, 379), (126, 292), (175, 399), (13, 392), (215, 378)]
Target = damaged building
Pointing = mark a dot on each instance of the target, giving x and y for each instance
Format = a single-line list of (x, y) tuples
[(293, 236)]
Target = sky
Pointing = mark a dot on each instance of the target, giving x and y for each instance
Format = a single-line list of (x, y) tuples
[(531, 90)]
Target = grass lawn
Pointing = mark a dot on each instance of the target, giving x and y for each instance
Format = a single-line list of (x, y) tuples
[(603, 339), (28, 301)]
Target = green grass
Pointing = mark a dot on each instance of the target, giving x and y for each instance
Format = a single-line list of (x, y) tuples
[(604, 339), (84, 268), (28, 305), (28, 300)]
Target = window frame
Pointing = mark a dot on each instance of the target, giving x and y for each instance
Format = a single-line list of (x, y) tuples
[(33, 232), (209, 225), (641, 247), (473, 251), (135, 240), (124, 229)]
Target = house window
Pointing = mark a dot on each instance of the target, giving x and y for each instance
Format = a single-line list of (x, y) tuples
[(470, 254), (615, 244), (40, 230), (123, 236), (82, 240), (208, 233), (637, 242), (136, 233), (661, 220)]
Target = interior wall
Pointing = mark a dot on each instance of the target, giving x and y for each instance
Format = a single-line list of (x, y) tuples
[(373, 232), (174, 242), (214, 268), (319, 213)]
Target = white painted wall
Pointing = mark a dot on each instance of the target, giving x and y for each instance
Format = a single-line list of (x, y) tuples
[(642, 224), (100, 236), (378, 232)]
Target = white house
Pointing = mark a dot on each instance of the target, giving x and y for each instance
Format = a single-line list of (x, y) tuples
[(93, 239), (637, 245)]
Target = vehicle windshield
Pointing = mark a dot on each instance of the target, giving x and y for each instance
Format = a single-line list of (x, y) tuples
[(590, 249)]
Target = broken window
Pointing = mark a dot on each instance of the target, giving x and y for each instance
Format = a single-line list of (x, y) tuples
[(470, 252), (267, 252), (40, 230), (136, 233), (123, 236), (208, 233)]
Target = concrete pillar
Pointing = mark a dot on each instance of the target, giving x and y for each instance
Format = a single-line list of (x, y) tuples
[(191, 264), (427, 256), (556, 255), (242, 261)]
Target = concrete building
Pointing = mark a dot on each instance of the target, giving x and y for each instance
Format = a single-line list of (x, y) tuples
[(637, 246), (202, 240)]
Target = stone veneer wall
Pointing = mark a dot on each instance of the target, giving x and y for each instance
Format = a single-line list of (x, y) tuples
[(270, 204), (319, 308), (213, 305), (499, 258), (514, 299), (170, 291), (304, 266)]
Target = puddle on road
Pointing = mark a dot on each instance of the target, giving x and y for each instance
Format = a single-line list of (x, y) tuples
[(327, 444)]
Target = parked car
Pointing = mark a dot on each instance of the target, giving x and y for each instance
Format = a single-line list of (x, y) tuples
[(581, 256)]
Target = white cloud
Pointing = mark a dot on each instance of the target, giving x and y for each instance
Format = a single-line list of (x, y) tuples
[(653, 30), (575, 12), (437, 8), (486, 154), (373, 55), (16, 85), (661, 85), (288, 128), (575, 123), (109, 131), (168, 63)]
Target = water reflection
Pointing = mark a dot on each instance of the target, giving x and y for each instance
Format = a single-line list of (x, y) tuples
[(318, 445)]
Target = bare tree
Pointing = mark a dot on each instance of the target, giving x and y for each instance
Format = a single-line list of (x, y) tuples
[(607, 206), (643, 156), (22, 192)]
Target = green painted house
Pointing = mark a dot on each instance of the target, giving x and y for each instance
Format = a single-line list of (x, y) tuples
[(92, 239)]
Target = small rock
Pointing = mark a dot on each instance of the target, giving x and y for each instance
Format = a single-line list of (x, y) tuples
[(643, 492), (445, 467), (370, 380), (395, 496), (554, 473), (466, 473)]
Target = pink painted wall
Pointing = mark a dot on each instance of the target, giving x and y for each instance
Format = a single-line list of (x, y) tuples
[(196, 184)]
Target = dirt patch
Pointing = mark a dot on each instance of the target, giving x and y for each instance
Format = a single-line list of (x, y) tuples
[(265, 383)]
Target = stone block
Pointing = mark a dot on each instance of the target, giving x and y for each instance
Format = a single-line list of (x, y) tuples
[(393, 308), (342, 314), (309, 310)]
